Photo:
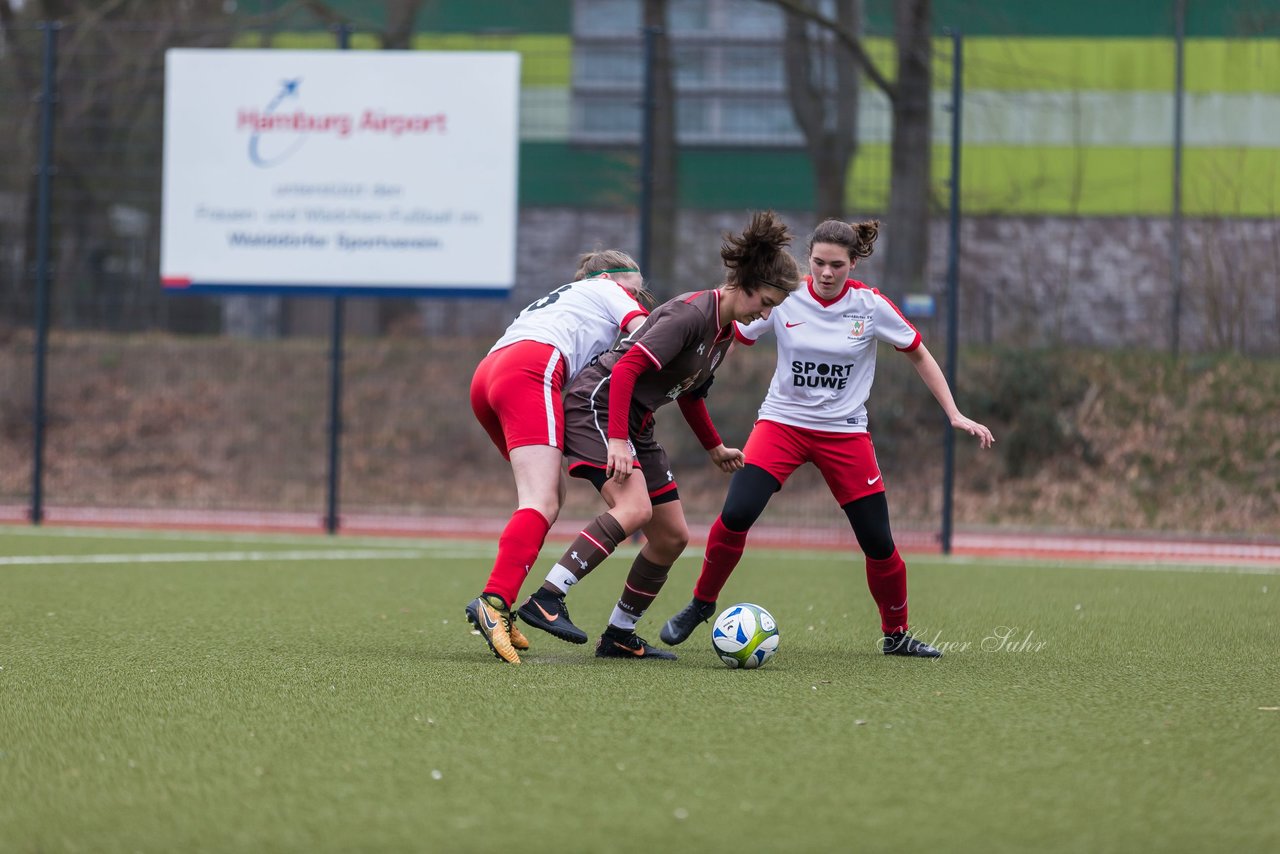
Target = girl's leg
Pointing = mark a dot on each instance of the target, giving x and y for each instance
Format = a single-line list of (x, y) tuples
[(629, 511), (666, 536), (512, 389), (886, 575), (749, 493), (886, 571), (537, 474)]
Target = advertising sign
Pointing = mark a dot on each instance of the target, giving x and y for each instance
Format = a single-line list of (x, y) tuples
[(340, 171)]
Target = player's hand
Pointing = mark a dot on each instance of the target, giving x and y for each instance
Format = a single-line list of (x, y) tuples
[(728, 460), (973, 428), (618, 465)]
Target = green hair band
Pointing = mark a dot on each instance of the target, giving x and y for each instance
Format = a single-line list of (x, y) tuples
[(617, 270)]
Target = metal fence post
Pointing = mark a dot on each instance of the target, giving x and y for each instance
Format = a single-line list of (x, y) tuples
[(647, 107), (1175, 248), (44, 176), (335, 416), (953, 288), (335, 378)]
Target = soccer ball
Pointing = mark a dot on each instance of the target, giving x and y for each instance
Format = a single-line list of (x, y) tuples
[(744, 636)]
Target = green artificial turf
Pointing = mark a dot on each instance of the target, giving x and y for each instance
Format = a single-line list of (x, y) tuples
[(310, 694)]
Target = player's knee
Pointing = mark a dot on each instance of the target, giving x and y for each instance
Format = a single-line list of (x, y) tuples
[(632, 516), (874, 538), (877, 547), (740, 514), (737, 518), (547, 503), (549, 512), (668, 540), (680, 542)]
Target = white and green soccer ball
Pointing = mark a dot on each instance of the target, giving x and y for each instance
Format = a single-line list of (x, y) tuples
[(745, 636)]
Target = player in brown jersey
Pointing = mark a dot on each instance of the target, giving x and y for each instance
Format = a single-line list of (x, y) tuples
[(609, 432)]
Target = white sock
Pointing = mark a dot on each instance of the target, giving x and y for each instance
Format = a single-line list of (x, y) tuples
[(561, 578), (620, 619)]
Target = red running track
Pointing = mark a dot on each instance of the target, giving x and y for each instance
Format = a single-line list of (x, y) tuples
[(988, 542)]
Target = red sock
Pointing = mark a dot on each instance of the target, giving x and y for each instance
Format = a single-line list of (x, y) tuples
[(887, 579), (724, 550), (518, 549)]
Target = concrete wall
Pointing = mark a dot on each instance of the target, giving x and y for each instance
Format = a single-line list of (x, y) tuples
[(1028, 281)]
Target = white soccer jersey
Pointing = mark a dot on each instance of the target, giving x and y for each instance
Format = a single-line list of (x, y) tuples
[(580, 319), (827, 355)]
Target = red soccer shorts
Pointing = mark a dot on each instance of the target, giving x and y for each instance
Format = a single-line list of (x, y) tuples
[(515, 395), (847, 460)]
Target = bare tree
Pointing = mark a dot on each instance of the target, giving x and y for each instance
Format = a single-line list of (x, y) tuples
[(823, 88), (397, 31), (402, 16), (908, 236), (662, 225), (109, 91), (909, 94)]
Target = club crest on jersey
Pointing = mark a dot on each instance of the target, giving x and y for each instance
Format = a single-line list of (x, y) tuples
[(684, 386), (859, 327)]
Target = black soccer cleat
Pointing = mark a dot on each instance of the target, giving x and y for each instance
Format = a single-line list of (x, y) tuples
[(901, 643), (547, 611), (679, 627), (619, 644)]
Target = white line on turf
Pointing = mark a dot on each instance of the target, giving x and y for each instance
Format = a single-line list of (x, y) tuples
[(214, 536), (465, 548), (236, 556), (1033, 562), (445, 547), (1039, 563)]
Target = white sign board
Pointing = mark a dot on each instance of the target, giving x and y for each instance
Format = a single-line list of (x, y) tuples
[(340, 171)]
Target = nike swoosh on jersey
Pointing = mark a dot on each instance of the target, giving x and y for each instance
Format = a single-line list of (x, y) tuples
[(798, 323), (872, 480)]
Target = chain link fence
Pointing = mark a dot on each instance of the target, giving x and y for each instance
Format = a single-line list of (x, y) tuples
[(162, 401)]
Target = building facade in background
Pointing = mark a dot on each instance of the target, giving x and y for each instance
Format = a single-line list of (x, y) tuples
[(1067, 179)]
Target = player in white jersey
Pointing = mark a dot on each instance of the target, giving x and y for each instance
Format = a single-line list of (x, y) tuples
[(816, 412), (515, 394)]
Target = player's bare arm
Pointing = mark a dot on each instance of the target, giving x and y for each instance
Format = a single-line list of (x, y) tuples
[(728, 460), (927, 367), (618, 464)]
